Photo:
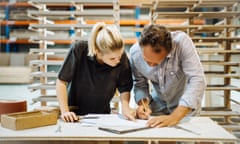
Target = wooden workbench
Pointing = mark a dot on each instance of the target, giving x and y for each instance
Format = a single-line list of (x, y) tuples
[(209, 131)]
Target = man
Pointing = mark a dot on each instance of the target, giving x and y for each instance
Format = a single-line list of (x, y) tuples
[(168, 61)]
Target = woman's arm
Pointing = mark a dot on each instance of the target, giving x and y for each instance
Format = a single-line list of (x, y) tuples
[(66, 115), (128, 112)]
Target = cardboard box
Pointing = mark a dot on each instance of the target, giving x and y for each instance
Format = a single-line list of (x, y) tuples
[(25, 120)]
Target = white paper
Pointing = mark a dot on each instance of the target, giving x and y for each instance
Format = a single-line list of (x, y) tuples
[(113, 120)]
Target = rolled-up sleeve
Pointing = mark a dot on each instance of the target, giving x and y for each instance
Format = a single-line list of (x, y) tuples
[(193, 70), (141, 85)]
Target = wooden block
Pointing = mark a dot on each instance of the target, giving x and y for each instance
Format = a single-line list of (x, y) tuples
[(5, 59), (15, 74), (25, 120), (11, 106), (17, 59)]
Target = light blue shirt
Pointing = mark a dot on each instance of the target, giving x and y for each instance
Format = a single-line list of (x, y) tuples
[(177, 80)]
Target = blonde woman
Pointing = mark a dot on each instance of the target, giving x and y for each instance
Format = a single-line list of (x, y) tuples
[(91, 73)]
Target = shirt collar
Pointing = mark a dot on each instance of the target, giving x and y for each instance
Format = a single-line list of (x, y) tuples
[(169, 55)]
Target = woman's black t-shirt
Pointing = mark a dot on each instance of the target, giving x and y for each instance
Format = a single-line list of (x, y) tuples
[(91, 85)]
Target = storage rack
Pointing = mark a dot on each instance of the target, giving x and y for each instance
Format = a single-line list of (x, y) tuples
[(216, 42), (45, 79)]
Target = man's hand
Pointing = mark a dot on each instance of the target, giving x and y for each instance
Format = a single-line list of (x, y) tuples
[(129, 113), (169, 120), (143, 112), (162, 121), (69, 117)]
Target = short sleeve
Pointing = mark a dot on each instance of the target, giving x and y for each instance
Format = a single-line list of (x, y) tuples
[(67, 69), (125, 81)]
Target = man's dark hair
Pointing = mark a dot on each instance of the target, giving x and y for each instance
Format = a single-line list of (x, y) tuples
[(157, 36)]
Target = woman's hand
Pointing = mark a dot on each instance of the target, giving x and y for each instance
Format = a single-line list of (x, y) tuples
[(69, 117), (129, 113)]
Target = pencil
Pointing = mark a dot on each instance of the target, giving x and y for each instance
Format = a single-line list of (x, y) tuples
[(144, 106)]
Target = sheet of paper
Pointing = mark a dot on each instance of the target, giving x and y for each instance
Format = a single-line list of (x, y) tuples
[(113, 120)]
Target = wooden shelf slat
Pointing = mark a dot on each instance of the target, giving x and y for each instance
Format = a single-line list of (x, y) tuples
[(42, 86), (55, 50), (101, 13), (220, 63), (44, 74), (215, 39), (231, 127), (52, 38), (103, 2), (45, 98), (186, 15), (213, 50), (61, 26), (197, 28), (219, 113), (171, 3), (217, 3), (43, 62), (223, 75), (222, 87)]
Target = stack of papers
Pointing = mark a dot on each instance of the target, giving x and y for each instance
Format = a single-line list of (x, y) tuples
[(113, 123)]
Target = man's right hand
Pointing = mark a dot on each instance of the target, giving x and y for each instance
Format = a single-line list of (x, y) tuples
[(69, 117), (143, 112)]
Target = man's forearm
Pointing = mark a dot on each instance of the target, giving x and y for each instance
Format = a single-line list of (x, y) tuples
[(180, 112)]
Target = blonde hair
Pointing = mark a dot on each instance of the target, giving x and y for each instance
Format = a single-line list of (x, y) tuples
[(105, 38)]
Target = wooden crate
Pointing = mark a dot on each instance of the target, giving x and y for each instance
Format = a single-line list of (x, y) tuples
[(25, 120)]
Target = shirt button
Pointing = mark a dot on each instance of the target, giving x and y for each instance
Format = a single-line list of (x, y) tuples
[(160, 78), (171, 73), (162, 87)]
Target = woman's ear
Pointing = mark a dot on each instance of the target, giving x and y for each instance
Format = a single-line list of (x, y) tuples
[(99, 53)]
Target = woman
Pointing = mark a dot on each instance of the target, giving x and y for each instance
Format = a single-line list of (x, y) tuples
[(93, 71)]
